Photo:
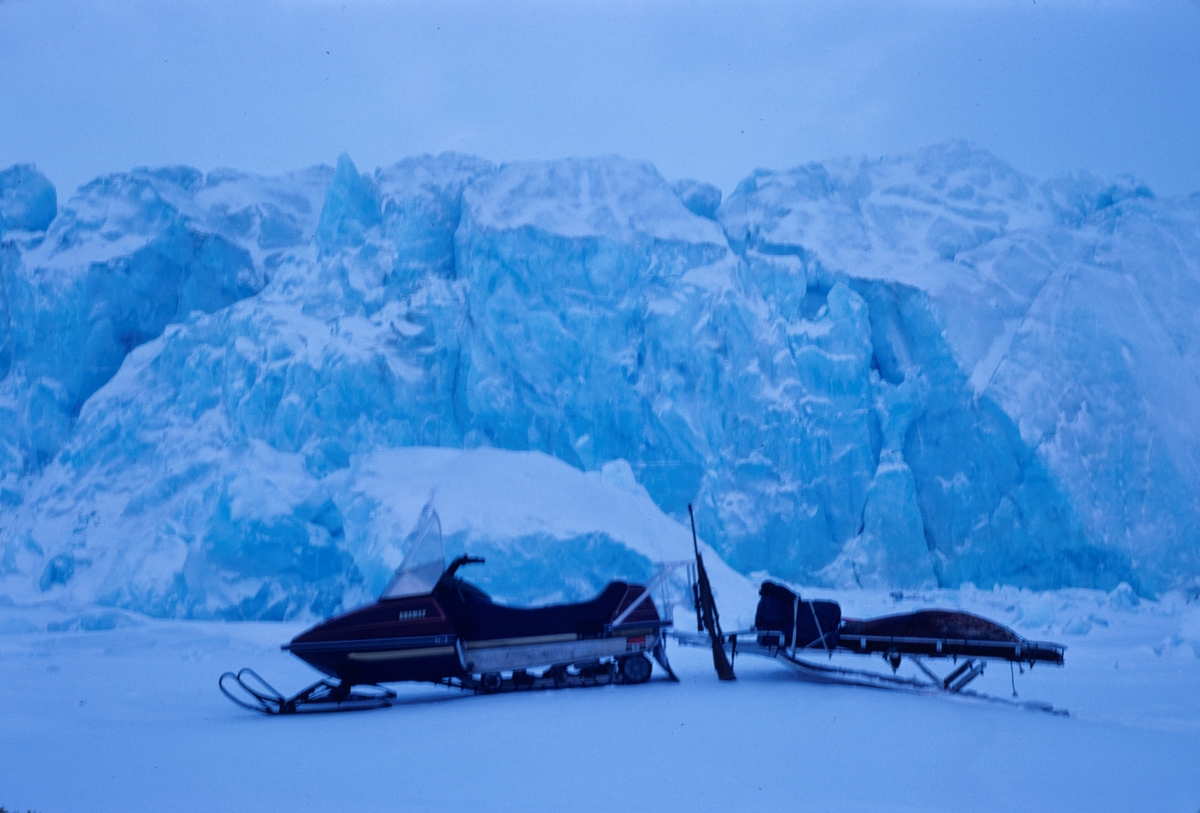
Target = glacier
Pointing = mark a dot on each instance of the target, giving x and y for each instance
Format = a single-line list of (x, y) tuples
[(223, 395)]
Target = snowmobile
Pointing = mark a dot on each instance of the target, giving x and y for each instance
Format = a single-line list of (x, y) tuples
[(430, 625), (791, 629)]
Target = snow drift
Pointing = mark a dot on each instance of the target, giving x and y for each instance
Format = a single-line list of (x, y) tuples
[(919, 371)]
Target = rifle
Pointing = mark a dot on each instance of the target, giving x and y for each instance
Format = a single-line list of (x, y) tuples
[(706, 610)]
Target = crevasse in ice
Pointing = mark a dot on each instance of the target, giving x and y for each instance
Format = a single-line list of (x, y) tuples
[(929, 369)]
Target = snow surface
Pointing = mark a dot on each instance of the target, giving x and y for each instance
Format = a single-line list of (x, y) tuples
[(925, 370), (128, 718)]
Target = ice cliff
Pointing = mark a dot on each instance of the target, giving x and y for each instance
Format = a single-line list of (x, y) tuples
[(926, 369)]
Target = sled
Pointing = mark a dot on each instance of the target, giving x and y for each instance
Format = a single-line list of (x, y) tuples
[(792, 630)]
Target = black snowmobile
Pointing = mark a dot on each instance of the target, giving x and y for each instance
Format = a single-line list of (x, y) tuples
[(430, 625)]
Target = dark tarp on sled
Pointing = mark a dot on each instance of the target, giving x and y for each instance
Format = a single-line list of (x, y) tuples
[(946, 624), (816, 622)]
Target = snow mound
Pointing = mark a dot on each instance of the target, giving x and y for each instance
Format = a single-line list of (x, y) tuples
[(253, 534)]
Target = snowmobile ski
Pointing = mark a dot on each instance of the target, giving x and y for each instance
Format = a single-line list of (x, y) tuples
[(250, 691)]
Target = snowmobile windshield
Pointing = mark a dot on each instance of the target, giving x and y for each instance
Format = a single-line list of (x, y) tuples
[(424, 562)]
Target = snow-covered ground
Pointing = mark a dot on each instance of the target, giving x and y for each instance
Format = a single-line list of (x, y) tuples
[(130, 719)]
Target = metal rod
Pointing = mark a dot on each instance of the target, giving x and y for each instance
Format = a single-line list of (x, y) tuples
[(795, 618), (665, 569), (812, 606), (937, 681)]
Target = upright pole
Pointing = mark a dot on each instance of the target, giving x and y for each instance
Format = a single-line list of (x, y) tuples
[(708, 610)]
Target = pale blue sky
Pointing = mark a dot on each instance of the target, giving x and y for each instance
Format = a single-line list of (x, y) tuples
[(709, 90)]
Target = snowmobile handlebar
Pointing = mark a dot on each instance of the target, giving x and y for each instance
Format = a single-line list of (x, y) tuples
[(459, 562)]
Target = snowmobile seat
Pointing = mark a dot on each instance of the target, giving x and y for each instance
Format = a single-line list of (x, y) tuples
[(779, 610), (478, 618)]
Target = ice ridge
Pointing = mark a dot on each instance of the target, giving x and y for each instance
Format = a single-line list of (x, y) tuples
[(924, 370)]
